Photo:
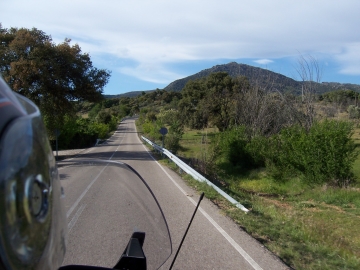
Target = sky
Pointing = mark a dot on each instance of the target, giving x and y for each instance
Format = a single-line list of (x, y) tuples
[(147, 44)]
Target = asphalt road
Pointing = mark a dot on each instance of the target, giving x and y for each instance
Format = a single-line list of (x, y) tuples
[(93, 206)]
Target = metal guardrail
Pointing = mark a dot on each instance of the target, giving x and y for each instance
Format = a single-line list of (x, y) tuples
[(197, 176)]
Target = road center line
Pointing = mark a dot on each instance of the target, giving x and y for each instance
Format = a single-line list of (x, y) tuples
[(83, 194), (75, 217), (81, 208), (122, 138), (239, 249)]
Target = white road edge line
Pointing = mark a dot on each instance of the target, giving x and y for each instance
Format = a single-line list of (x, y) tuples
[(213, 222)]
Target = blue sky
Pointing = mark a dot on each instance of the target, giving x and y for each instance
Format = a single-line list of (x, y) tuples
[(147, 44)]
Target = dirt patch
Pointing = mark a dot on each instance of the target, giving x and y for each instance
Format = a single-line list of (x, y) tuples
[(222, 204), (279, 204)]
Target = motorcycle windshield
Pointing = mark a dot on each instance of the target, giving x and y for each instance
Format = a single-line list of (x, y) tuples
[(129, 203)]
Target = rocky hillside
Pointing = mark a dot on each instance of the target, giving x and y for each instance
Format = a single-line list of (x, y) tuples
[(257, 76), (262, 77)]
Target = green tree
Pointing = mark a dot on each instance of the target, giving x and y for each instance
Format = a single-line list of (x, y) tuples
[(52, 75), (220, 96), (211, 99), (193, 112), (103, 117), (110, 102), (124, 110)]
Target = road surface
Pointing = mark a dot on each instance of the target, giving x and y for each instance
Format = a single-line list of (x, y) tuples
[(213, 241)]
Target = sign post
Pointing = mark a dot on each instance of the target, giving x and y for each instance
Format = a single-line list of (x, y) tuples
[(57, 133), (163, 131)]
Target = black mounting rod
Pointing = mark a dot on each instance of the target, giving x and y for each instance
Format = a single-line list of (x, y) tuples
[(182, 240)]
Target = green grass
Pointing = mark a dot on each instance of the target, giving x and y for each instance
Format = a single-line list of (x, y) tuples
[(308, 228), (195, 143), (306, 231), (356, 168)]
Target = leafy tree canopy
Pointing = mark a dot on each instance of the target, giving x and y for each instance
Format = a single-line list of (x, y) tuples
[(339, 96), (211, 99), (52, 75)]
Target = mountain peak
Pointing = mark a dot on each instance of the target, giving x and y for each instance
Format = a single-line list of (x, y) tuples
[(255, 75)]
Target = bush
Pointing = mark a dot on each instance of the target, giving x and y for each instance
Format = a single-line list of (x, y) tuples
[(234, 148), (80, 132), (151, 130), (354, 112), (113, 123), (172, 142), (68, 131), (324, 154), (103, 117), (100, 129), (76, 133)]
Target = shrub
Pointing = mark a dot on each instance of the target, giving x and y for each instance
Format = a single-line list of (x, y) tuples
[(235, 149), (68, 131), (100, 129), (172, 142), (151, 130), (103, 117), (113, 123), (77, 133), (80, 132), (324, 154), (354, 112)]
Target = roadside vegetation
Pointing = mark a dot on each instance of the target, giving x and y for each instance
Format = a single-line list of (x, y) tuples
[(91, 122), (292, 160), (308, 226)]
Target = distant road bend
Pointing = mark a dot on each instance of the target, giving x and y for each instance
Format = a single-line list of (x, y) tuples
[(213, 241)]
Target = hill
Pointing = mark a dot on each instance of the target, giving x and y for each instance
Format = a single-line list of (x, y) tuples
[(128, 94), (256, 75), (331, 86), (261, 77)]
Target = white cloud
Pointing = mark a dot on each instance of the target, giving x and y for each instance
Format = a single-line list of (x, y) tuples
[(350, 59), (158, 32), (263, 61), (150, 73)]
